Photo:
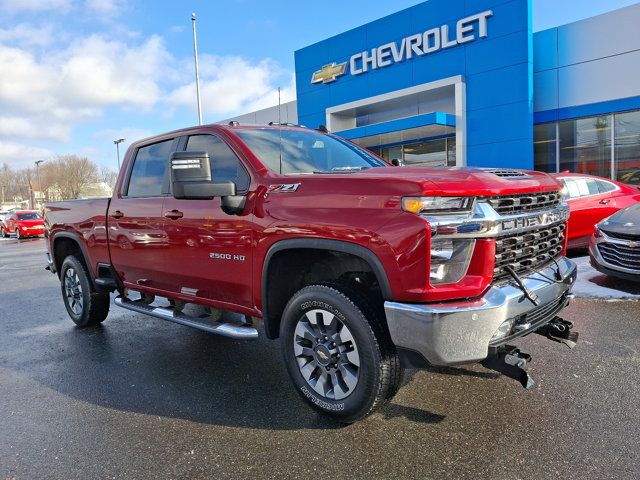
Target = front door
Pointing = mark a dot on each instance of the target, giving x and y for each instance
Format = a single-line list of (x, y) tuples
[(211, 255), (137, 240)]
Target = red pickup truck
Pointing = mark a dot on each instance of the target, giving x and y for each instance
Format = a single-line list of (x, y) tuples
[(361, 268)]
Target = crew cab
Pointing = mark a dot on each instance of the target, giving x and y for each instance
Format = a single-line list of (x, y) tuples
[(360, 268)]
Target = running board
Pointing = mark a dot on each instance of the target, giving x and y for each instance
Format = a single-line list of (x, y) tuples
[(229, 330)]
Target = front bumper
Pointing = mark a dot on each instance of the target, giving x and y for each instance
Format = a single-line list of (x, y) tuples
[(626, 257), (461, 332)]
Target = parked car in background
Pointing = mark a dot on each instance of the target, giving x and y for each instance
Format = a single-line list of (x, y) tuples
[(615, 245), (23, 224), (591, 199)]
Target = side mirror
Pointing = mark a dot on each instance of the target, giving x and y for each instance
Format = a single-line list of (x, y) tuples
[(191, 178), (397, 162)]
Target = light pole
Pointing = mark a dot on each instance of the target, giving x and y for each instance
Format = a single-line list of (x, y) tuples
[(38, 162), (117, 143), (195, 60)]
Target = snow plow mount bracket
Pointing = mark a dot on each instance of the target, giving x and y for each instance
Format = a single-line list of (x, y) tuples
[(510, 361)]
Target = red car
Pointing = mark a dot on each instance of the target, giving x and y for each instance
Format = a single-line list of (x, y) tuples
[(590, 200), (23, 224)]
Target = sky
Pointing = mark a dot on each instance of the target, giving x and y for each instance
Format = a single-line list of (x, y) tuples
[(77, 74)]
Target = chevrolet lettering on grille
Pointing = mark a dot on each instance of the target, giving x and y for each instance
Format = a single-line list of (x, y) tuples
[(533, 221)]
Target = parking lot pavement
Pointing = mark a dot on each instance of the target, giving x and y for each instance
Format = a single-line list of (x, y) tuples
[(143, 398)]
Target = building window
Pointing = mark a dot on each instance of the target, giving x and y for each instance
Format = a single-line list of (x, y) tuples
[(585, 145), (627, 147), (544, 147)]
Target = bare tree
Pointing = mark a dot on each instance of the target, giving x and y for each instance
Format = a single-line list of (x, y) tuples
[(108, 176), (73, 173)]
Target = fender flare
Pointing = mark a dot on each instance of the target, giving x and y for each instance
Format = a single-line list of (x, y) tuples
[(83, 249), (323, 244)]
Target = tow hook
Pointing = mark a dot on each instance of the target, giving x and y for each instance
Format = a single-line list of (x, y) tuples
[(559, 330), (510, 361)]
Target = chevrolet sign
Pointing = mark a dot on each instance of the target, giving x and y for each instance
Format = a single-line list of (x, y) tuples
[(431, 41)]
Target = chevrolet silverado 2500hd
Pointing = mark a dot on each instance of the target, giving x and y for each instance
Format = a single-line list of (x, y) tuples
[(359, 267)]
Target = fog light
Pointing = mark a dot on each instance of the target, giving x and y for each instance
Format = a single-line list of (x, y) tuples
[(449, 260), (504, 329)]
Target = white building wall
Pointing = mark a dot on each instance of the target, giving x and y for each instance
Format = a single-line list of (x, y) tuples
[(590, 61)]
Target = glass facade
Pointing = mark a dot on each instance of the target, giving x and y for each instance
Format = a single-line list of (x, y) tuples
[(604, 145), (433, 153)]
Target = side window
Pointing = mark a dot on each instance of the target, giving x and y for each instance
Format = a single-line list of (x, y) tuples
[(225, 165), (605, 187), (572, 187), (582, 187), (149, 168)]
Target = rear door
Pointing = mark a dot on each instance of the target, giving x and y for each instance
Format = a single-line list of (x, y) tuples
[(137, 241), (590, 201), (211, 256)]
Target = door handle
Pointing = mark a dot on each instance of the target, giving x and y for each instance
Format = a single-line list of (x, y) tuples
[(173, 214), (605, 201), (117, 214)]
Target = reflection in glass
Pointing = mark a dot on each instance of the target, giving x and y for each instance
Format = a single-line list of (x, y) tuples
[(585, 145), (627, 147), (544, 147)]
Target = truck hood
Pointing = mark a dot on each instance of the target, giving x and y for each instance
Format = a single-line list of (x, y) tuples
[(466, 181), (624, 221)]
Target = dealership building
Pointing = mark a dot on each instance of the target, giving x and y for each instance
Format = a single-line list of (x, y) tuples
[(467, 83)]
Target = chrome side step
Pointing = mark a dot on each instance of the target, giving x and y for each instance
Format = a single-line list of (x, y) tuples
[(230, 330)]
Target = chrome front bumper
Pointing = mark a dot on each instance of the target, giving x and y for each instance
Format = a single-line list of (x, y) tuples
[(461, 332)]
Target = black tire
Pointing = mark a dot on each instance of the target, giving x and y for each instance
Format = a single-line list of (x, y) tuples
[(85, 305), (378, 373), (3, 233)]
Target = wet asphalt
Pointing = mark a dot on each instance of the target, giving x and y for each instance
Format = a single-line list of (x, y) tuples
[(142, 398)]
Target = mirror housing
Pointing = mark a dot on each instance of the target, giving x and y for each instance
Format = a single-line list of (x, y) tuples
[(191, 178)]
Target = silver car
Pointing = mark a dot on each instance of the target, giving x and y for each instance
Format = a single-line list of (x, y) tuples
[(615, 244)]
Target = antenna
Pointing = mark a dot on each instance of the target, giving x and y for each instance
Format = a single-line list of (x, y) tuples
[(280, 130)]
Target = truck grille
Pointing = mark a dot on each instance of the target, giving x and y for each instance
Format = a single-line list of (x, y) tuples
[(527, 202), (620, 255), (528, 250), (623, 236)]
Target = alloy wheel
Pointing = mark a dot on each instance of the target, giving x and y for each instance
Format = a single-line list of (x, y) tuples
[(327, 354), (73, 291)]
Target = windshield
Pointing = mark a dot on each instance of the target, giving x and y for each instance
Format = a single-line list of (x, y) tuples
[(306, 151), (28, 216)]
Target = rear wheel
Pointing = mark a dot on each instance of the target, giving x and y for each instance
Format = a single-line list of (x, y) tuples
[(337, 352), (84, 304)]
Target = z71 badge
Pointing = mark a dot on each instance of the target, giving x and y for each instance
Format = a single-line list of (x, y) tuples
[(284, 187)]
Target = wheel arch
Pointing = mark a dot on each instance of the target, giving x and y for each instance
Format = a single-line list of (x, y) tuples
[(272, 309), (69, 243)]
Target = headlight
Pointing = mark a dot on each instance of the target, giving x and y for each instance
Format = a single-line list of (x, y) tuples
[(437, 205), (450, 260), (23, 228)]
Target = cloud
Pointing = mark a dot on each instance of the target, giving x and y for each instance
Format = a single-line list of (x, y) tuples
[(18, 155), (231, 85), (27, 35), (106, 8), (20, 6), (51, 84)]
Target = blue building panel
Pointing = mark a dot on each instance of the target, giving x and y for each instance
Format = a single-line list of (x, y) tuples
[(497, 67), (434, 118)]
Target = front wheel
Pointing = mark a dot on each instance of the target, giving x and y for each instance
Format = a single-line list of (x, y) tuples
[(337, 352), (18, 235), (84, 304), (3, 233)]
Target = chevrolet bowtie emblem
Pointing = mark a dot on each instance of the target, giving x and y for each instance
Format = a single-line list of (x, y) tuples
[(632, 244), (329, 73)]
